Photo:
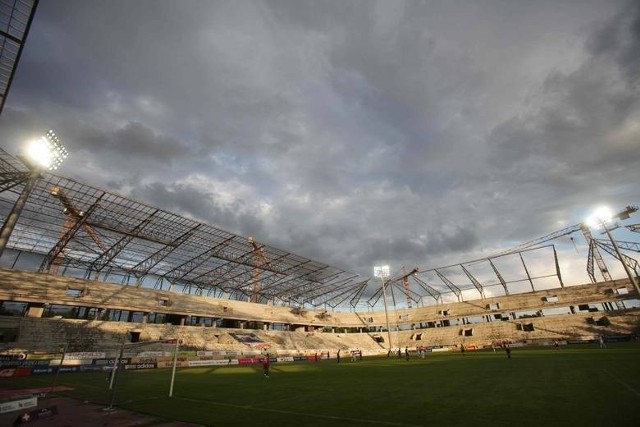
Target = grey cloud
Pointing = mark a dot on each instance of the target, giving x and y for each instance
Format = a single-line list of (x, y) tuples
[(412, 132), (582, 142), (202, 205), (619, 39)]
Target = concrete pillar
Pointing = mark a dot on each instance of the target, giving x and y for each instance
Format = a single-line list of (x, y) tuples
[(145, 317)]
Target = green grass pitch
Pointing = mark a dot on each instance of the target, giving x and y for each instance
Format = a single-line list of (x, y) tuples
[(578, 385)]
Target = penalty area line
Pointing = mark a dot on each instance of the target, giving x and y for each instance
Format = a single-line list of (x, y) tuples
[(631, 389), (305, 414)]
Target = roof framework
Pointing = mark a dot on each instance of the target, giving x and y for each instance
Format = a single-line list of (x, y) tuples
[(15, 20), (80, 230), (83, 231), (499, 274)]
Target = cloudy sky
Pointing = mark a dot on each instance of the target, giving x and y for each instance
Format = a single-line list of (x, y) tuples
[(352, 132)]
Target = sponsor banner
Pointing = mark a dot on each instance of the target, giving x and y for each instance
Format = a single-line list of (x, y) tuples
[(15, 372), (282, 359), (91, 368), (73, 362), (85, 355), (37, 414), (218, 362), (45, 356), (170, 364), (65, 368), (18, 404), (207, 353), (137, 360), (111, 362), (141, 366), (436, 350), (299, 358), (16, 356), (39, 370), (7, 372), (249, 360), (154, 353), (16, 363)]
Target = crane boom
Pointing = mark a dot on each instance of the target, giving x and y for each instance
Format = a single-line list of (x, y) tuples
[(260, 259), (72, 217)]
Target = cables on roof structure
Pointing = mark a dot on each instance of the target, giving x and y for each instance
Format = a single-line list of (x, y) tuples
[(77, 230)]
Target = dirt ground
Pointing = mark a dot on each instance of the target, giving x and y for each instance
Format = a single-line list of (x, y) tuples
[(72, 413)]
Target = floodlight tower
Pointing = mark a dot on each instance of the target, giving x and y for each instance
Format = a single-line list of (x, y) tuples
[(45, 153), (600, 218), (382, 272)]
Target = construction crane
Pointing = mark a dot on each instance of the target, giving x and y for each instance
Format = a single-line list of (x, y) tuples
[(260, 260), (406, 284), (72, 217)]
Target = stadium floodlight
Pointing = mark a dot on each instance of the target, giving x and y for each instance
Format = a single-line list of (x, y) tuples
[(45, 153), (382, 272), (600, 218)]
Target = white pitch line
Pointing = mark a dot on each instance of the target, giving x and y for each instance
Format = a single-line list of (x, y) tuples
[(280, 411), (631, 389)]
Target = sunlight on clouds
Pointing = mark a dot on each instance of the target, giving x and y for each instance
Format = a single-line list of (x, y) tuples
[(150, 106), (265, 208), (225, 194), (627, 135)]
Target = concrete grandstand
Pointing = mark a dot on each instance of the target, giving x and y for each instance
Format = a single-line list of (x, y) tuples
[(86, 270)]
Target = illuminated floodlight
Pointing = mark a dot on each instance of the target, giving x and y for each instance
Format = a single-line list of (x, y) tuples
[(381, 271), (599, 219), (46, 152), (601, 215)]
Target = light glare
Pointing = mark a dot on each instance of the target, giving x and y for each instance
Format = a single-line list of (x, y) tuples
[(46, 152), (601, 215), (381, 271)]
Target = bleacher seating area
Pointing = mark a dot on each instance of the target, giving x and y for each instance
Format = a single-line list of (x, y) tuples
[(590, 310)]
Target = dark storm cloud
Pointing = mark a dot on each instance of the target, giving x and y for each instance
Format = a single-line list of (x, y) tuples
[(352, 132), (619, 39)]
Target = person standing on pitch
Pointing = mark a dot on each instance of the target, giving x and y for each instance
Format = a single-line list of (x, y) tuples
[(338, 355), (265, 366), (601, 340)]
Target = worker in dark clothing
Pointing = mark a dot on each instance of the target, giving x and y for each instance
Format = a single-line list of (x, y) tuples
[(265, 366)]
